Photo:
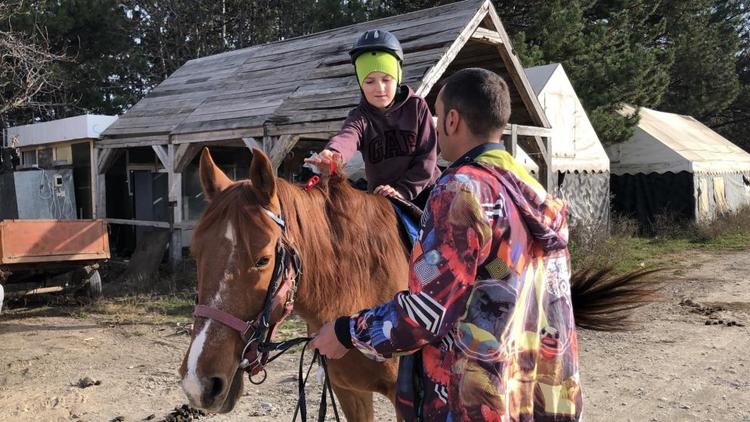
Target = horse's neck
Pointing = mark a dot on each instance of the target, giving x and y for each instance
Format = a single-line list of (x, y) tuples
[(345, 267)]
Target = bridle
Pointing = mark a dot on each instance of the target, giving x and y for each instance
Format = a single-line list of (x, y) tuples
[(257, 332)]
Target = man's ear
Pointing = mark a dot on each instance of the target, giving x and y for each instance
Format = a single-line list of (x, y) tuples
[(452, 122)]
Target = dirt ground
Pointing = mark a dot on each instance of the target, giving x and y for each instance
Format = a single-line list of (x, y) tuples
[(675, 368)]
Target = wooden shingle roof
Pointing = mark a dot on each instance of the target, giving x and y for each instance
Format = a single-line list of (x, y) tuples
[(307, 84)]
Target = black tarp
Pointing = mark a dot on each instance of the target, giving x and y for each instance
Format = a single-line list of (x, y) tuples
[(645, 196)]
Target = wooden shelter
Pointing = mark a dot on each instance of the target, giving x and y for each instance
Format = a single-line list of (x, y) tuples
[(282, 94)]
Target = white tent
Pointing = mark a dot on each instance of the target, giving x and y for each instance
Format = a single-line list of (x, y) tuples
[(578, 157), (675, 164)]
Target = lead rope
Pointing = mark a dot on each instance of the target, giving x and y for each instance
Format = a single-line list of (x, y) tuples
[(301, 408)]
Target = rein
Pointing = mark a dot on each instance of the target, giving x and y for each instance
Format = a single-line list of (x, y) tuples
[(258, 332)]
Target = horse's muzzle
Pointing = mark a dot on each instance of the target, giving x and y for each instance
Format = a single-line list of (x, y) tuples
[(214, 394)]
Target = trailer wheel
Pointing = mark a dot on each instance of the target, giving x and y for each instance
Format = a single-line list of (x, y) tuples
[(94, 285), (88, 283)]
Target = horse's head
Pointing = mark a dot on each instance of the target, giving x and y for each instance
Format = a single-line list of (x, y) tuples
[(234, 250)]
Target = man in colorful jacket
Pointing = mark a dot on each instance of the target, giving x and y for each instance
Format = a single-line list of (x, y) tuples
[(486, 329)]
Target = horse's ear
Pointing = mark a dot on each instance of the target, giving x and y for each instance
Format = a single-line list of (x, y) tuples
[(261, 175), (213, 180)]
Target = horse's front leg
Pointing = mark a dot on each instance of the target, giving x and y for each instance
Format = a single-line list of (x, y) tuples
[(355, 378), (356, 405)]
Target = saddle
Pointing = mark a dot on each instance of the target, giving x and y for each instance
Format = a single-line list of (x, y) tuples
[(409, 217)]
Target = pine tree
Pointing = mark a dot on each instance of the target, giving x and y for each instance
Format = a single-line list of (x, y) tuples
[(609, 49), (703, 79)]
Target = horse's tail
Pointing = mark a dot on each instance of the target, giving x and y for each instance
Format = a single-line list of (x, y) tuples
[(604, 301)]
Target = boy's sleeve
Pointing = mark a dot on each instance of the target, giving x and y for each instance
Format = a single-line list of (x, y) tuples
[(455, 239), (422, 169), (348, 140)]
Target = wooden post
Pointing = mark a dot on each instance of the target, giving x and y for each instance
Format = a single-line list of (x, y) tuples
[(94, 152), (101, 196), (103, 161), (174, 180), (162, 154), (251, 143), (551, 179), (513, 140), (184, 154), (281, 148)]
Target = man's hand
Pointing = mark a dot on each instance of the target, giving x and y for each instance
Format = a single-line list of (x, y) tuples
[(387, 190), (327, 343)]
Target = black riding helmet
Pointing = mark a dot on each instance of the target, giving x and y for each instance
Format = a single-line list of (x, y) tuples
[(377, 40)]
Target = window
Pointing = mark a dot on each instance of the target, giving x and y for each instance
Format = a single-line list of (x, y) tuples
[(28, 158), (63, 155)]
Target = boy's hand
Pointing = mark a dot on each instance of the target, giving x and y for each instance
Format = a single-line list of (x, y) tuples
[(387, 190), (323, 161)]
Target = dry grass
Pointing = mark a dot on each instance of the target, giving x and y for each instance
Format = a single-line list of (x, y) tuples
[(624, 249)]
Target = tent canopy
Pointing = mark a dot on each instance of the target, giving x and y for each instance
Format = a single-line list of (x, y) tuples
[(575, 145), (668, 142)]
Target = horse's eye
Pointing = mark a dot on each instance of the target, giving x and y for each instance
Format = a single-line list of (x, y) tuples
[(263, 262)]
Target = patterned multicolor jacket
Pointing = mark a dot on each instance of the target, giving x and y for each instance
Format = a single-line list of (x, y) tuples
[(486, 330)]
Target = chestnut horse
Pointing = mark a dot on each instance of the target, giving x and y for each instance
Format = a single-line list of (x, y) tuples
[(352, 258)]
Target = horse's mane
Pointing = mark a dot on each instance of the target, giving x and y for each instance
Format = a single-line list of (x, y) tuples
[(344, 237)]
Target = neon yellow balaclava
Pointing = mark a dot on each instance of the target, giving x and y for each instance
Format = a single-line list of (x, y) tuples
[(377, 61)]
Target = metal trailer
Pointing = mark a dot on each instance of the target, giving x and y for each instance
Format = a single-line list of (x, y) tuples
[(33, 253)]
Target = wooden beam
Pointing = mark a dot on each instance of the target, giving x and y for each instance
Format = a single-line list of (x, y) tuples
[(551, 177), (101, 196), (528, 130), (103, 160), (515, 69), (521, 130), (323, 136), (163, 156), (281, 148), (486, 36), (143, 141), (304, 128), (142, 223), (187, 225), (174, 181), (251, 143), (513, 140), (184, 154), (216, 135), (94, 154), (542, 148), (175, 178), (545, 148), (107, 157), (436, 72)]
